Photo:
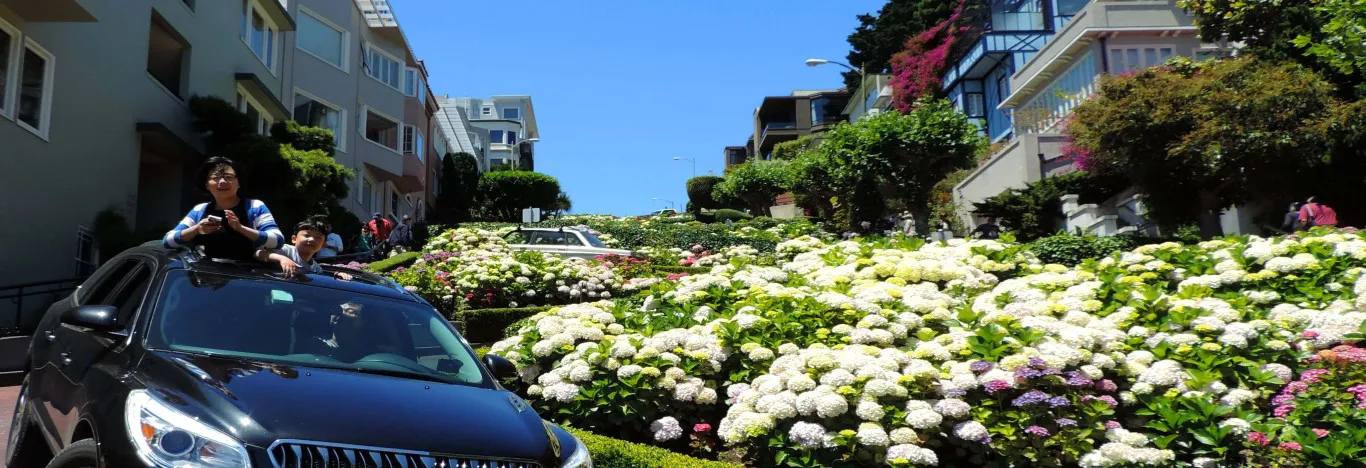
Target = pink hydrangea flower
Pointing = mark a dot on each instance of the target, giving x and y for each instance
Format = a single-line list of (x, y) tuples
[(1321, 432), (1290, 446), (1310, 334), (1112, 425), (701, 427), (1258, 438), (1282, 410)]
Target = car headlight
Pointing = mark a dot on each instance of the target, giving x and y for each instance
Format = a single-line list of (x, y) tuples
[(579, 457), (165, 437)]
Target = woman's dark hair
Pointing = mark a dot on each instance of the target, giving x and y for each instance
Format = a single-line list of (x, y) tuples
[(214, 163)]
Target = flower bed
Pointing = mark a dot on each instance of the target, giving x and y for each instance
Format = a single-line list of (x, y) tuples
[(968, 353)]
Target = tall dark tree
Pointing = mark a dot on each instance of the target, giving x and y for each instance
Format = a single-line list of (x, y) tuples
[(459, 183), (879, 37)]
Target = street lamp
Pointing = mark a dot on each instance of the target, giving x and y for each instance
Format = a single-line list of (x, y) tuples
[(816, 62), (671, 204), (694, 164)]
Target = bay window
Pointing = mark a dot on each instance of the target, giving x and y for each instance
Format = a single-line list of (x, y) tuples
[(316, 113), (259, 33), (382, 67), (321, 39)]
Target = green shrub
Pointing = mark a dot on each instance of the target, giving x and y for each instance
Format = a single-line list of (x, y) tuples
[(503, 194), (1035, 211), (612, 453), (1070, 250), (400, 260), (662, 270), (699, 192), (487, 325), (722, 216)]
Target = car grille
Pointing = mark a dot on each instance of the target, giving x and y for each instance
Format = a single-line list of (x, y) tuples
[(291, 454)]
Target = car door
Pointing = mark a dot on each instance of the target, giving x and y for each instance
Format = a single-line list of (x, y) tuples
[(548, 241), (576, 247), (70, 351)]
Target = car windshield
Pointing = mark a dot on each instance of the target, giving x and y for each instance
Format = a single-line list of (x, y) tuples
[(592, 239), (290, 322)]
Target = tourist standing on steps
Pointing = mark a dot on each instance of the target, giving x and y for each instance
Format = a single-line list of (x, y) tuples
[(1291, 222), (988, 230), (229, 227)]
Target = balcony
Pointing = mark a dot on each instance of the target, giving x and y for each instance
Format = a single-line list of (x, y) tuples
[(1008, 27), (49, 11)]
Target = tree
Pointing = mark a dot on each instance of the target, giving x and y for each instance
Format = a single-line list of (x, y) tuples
[(812, 182), (898, 157), (879, 37), (788, 150), (700, 192), (1196, 138), (756, 184), (459, 184), (918, 69), (563, 204), (504, 194), (293, 170), (1326, 35)]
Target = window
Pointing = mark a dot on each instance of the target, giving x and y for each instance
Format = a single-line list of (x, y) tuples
[(511, 113), (1132, 59), (315, 113), (408, 144), (393, 202), (85, 251), (512, 137), (412, 82), (420, 150), (381, 129), (974, 105), (259, 34), (1200, 55), (434, 183), (1071, 7), (321, 39), (9, 41), (363, 194), (254, 112), (421, 208), (486, 111), (166, 55), (382, 67), (35, 88), (495, 136)]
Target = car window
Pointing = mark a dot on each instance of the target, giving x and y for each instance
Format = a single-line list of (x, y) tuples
[(547, 238), (285, 322), (129, 296), (572, 239), (516, 237), (593, 240), (95, 291)]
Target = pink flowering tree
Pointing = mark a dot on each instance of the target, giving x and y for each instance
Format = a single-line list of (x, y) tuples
[(917, 69)]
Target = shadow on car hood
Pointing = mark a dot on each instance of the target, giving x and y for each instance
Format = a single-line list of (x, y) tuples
[(260, 403)]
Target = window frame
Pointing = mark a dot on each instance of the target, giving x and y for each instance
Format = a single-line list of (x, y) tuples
[(272, 39), (365, 124), (418, 148), (84, 236), (1123, 49), (49, 73), (265, 121), (345, 65), (340, 133), (185, 54), (371, 69), (9, 75), (409, 145), (514, 110), (501, 138)]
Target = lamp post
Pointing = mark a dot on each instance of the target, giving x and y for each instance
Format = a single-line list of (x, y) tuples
[(816, 62), (694, 164), (671, 204)]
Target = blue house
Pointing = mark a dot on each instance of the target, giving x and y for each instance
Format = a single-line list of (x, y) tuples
[(1014, 31)]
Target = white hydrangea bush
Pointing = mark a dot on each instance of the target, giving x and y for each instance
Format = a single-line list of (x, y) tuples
[(960, 353)]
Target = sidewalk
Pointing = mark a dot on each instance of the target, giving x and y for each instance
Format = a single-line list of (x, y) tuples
[(7, 397)]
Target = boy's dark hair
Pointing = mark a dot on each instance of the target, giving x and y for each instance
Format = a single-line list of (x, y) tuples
[(214, 163), (314, 223)]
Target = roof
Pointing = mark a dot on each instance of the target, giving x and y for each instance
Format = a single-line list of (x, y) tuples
[(361, 281), (453, 116)]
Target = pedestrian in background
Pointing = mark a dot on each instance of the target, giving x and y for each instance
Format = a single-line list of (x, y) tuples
[(1314, 213)]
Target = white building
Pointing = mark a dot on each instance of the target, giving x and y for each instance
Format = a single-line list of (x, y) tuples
[(500, 131)]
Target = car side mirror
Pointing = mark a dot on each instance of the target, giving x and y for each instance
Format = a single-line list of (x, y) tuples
[(500, 366), (100, 318)]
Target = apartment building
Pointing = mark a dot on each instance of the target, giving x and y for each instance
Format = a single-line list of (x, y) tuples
[(94, 113), (499, 131), (874, 95), (1092, 38), (786, 118)]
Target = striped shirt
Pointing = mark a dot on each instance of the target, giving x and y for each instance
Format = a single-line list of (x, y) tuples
[(258, 217)]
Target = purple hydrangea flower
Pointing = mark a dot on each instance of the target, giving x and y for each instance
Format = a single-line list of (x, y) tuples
[(1027, 373), (1036, 362), (1058, 401), (1029, 398), (956, 393), (996, 386), (1112, 425), (1065, 422), (1106, 386), (1282, 399), (981, 366), (1036, 430), (1076, 379)]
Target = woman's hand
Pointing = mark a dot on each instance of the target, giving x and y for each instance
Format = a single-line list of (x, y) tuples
[(232, 220), (207, 226)]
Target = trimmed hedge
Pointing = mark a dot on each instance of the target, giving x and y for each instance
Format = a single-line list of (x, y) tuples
[(671, 269), (1067, 249), (400, 260), (487, 325), (612, 453)]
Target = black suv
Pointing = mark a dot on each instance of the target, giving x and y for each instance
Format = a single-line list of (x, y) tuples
[(163, 359)]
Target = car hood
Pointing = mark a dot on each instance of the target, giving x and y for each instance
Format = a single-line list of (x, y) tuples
[(260, 406)]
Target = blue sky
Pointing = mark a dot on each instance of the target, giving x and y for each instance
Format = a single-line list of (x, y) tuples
[(621, 87)]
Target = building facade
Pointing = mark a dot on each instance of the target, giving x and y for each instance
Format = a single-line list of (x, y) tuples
[(1092, 38), (873, 96), (500, 131), (94, 112), (786, 118)]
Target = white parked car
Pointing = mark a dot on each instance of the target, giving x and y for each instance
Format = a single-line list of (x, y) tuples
[(565, 242)]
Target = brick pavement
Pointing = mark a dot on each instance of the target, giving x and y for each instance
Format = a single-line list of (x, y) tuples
[(7, 398)]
